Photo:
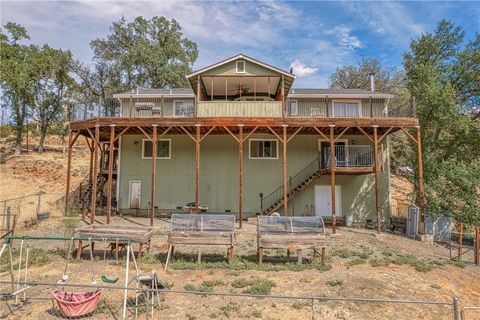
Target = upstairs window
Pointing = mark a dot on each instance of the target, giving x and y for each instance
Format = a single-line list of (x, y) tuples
[(293, 107), (183, 108), (240, 67), (346, 109), (263, 149), (163, 149)]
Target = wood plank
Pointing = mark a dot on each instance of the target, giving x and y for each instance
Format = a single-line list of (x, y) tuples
[(293, 122)]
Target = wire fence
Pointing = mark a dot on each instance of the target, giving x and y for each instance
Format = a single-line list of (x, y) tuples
[(41, 300), (28, 210)]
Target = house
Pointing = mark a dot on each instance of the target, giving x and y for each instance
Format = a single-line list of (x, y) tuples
[(242, 139)]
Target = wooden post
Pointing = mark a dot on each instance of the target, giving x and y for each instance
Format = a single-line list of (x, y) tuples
[(285, 184), (283, 96), (240, 175), (197, 172), (477, 247), (110, 172), (226, 88), (377, 178), (332, 175), (460, 242), (421, 194), (211, 91), (326, 107), (69, 169), (371, 107), (154, 174), (95, 173), (90, 170)]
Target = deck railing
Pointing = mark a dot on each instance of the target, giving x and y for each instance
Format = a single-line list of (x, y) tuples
[(352, 156), (111, 108)]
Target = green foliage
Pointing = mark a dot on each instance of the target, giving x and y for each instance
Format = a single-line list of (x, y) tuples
[(205, 286), (444, 78), (356, 261), (255, 287), (335, 283), (147, 53), (230, 307)]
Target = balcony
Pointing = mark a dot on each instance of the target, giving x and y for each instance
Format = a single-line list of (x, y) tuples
[(352, 159), (239, 109)]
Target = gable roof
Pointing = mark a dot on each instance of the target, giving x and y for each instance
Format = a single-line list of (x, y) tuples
[(245, 57)]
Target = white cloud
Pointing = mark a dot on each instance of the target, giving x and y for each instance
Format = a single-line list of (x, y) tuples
[(389, 18), (346, 40), (301, 70)]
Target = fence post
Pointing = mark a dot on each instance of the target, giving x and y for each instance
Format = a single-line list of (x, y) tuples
[(8, 218), (261, 203), (455, 308)]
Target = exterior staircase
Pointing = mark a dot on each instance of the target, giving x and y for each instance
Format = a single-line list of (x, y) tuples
[(297, 183)]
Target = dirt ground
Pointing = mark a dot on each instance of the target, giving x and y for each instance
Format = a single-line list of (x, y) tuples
[(359, 264)]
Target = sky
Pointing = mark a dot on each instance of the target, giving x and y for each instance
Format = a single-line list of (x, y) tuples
[(315, 38)]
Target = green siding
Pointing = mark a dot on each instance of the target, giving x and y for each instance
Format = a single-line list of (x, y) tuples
[(251, 69), (219, 176)]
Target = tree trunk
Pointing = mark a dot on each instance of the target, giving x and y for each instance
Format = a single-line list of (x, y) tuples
[(19, 125), (43, 134)]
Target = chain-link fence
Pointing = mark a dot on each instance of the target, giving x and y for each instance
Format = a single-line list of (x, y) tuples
[(36, 300)]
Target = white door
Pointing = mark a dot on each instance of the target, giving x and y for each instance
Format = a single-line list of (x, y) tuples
[(135, 188), (323, 200)]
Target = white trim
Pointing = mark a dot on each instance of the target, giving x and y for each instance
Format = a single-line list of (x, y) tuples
[(240, 56), (262, 158), (169, 149), (244, 66), (182, 100), (130, 195), (358, 102)]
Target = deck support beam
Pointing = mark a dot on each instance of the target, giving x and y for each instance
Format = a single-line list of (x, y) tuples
[(377, 179), (154, 174), (332, 175), (69, 169), (95, 173), (285, 178), (421, 194), (240, 176), (197, 170), (110, 172)]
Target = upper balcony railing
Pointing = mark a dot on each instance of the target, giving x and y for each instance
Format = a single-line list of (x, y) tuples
[(219, 108)]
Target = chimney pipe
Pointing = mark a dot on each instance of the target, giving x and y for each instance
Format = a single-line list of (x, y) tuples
[(372, 81)]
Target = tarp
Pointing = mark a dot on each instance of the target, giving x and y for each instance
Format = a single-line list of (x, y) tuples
[(77, 304)]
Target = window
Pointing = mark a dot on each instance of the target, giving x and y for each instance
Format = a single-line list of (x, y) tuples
[(240, 67), (183, 108), (263, 149), (163, 149), (293, 107), (346, 109)]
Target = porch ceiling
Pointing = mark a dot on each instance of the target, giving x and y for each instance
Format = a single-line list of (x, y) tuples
[(240, 85)]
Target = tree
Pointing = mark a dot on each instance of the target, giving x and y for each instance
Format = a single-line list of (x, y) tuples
[(447, 96), (146, 53), (16, 76), (53, 85), (387, 80)]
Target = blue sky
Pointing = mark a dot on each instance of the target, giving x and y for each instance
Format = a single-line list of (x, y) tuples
[(314, 37)]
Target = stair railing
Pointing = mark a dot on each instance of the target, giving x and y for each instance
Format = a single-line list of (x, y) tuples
[(295, 181)]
